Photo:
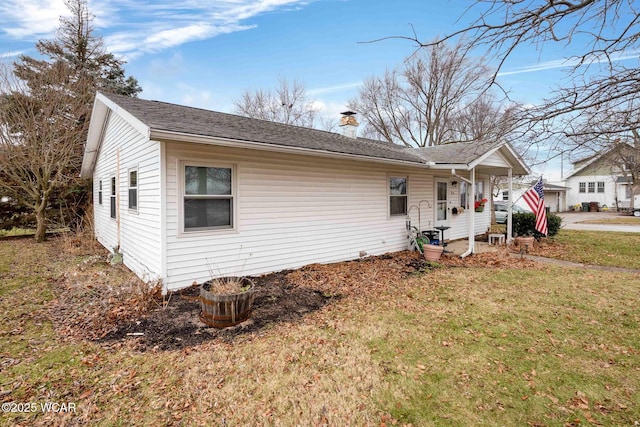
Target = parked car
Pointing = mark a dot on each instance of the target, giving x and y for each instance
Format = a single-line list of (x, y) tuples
[(500, 209)]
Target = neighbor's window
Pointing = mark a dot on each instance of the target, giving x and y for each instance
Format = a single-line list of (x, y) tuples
[(100, 192), (601, 187), (582, 187), (592, 187), (112, 198), (133, 189), (627, 191), (398, 195), (505, 195), (208, 197)]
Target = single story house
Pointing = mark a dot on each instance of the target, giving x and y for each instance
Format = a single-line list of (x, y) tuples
[(185, 194)]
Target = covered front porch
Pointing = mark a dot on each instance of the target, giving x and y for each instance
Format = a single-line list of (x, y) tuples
[(463, 181)]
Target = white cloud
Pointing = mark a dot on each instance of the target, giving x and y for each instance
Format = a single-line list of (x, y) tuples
[(132, 27), (333, 89), (11, 54), (31, 18), (570, 62)]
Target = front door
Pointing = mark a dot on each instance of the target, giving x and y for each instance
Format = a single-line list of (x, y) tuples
[(442, 203)]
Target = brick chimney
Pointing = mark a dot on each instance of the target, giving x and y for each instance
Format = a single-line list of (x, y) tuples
[(349, 124)]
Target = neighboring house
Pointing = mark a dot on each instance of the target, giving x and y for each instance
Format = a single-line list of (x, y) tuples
[(555, 196), (185, 193), (599, 178)]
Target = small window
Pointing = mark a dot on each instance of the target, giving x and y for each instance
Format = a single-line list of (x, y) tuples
[(592, 187), (208, 197), (464, 195), (627, 191), (505, 195), (479, 194), (133, 189), (112, 198), (398, 196), (582, 187), (100, 192), (601, 187)]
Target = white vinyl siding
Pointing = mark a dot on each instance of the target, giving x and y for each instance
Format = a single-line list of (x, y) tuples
[(137, 232), (595, 188), (291, 211)]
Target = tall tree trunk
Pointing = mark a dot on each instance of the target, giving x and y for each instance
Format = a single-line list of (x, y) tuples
[(41, 228)]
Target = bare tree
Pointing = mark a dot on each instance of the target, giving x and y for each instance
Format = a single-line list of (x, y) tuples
[(45, 107), (485, 119), (288, 104), (415, 104), (599, 86), (39, 138)]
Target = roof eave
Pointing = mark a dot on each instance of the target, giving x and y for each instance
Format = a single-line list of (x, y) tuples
[(159, 134), (102, 108)]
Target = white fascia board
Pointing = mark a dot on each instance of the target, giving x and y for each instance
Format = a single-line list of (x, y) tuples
[(128, 117), (102, 108), (225, 142), (515, 158)]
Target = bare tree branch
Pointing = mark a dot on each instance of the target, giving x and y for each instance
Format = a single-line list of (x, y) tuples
[(288, 104)]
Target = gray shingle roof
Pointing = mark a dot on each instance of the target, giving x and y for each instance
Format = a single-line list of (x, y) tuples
[(162, 116), (456, 153)]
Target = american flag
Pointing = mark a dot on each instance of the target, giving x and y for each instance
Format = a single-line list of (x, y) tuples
[(535, 199)]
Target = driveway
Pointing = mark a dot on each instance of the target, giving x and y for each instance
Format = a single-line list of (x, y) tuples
[(575, 221)]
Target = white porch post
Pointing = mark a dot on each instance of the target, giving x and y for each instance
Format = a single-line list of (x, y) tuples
[(472, 213), (510, 204)]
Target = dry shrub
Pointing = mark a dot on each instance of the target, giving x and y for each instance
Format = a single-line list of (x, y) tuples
[(93, 297), (228, 285), (81, 241)]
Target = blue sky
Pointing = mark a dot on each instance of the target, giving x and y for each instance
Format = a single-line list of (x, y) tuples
[(205, 53)]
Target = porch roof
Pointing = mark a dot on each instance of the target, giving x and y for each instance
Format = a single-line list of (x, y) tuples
[(491, 157)]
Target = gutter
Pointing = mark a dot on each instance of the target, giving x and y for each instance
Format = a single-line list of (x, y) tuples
[(227, 142)]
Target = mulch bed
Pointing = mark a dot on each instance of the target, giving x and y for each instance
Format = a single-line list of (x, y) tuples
[(107, 304)]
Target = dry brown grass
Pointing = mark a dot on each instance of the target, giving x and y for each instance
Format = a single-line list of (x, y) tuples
[(462, 345)]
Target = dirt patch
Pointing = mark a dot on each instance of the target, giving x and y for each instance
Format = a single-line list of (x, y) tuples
[(177, 324)]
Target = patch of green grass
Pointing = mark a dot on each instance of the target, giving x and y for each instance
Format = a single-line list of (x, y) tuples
[(618, 220), (611, 249), (545, 347)]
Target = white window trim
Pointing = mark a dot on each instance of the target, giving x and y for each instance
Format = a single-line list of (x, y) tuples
[(137, 187), (113, 193), (181, 164), (100, 192), (388, 184)]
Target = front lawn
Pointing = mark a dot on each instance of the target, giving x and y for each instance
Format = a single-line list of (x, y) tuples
[(511, 343), (611, 249)]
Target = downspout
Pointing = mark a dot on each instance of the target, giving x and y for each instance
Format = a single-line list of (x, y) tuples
[(472, 219), (510, 205), (118, 198)]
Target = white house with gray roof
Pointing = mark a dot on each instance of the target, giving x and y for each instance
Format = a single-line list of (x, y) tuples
[(184, 193)]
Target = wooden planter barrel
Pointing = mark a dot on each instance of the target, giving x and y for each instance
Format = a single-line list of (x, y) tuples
[(224, 310)]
